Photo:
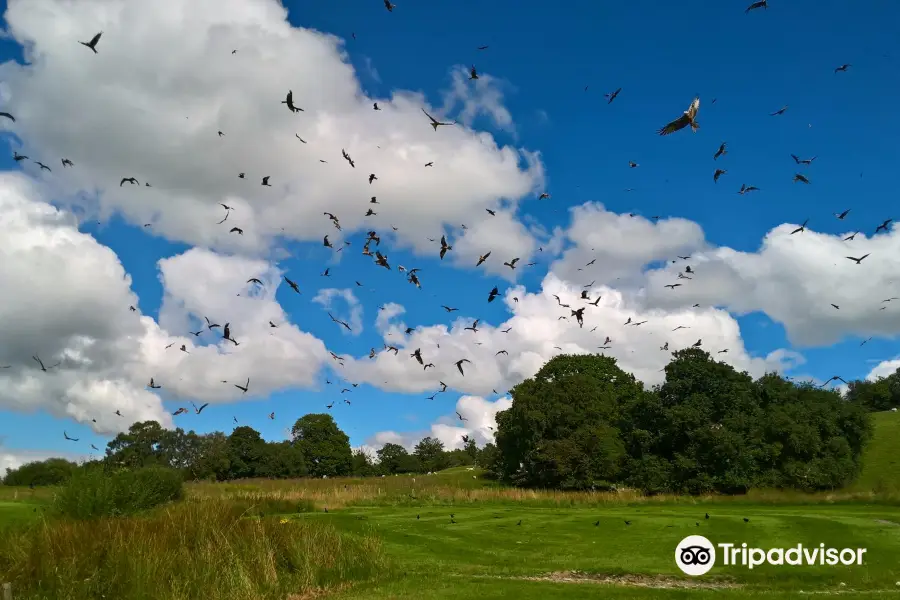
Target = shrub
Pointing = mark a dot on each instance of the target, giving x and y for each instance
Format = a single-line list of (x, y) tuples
[(92, 493), (52, 471)]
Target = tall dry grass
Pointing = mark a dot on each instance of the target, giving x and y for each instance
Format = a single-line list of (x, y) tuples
[(459, 488), (201, 548)]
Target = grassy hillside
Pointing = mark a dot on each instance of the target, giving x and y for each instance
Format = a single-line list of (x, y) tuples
[(881, 461)]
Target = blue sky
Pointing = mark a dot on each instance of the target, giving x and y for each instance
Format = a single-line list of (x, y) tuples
[(661, 55)]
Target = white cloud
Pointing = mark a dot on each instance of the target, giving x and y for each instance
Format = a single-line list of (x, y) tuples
[(481, 415), (795, 279), (537, 334), (883, 369), (67, 301), (482, 96), (326, 297), (201, 283), (621, 245), (155, 114)]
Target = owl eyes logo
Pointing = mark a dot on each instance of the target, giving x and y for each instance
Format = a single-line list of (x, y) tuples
[(695, 555)]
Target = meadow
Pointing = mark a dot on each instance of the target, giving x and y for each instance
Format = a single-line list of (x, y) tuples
[(451, 535)]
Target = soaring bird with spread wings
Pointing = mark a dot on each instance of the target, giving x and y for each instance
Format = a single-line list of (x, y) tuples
[(688, 118)]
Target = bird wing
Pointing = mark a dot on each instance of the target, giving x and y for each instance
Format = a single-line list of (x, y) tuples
[(693, 108), (679, 123), (96, 39), (433, 120)]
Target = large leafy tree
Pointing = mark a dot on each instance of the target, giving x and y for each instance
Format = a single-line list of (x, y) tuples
[(814, 438), (325, 447), (712, 424), (392, 458), (430, 454), (562, 428), (246, 453), (878, 395)]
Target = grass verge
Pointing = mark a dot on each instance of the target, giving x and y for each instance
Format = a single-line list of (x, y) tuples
[(209, 549)]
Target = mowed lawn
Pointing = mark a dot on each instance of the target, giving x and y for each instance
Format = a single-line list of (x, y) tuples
[(487, 553)]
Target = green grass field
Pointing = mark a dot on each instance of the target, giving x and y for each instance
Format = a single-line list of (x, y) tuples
[(508, 543)]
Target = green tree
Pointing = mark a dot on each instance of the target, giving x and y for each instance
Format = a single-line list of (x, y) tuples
[(325, 447), (213, 460), (246, 453), (52, 471), (282, 460), (561, 430), (878, 395), (430, 454), (361, 464), (813, 437), (711, 426), (392, 458)]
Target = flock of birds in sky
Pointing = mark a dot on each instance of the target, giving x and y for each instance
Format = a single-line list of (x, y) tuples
[(689, 118)]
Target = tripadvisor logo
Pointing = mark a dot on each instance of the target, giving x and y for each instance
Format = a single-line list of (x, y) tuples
[(695, 555)]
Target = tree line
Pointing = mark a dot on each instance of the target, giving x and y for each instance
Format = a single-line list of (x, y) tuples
[(317, 448), (579, 423)]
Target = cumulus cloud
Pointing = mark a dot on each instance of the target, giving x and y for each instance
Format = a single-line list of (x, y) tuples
[(480, 424), (883, 369), (797, 280), (200, 285), (66, 301), (481, 96), (72, 306), (326, 297), (155, 116), (541, 328), (607, 247)]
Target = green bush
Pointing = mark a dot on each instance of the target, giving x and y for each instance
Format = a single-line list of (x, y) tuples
[(52, 471), (93, 493)]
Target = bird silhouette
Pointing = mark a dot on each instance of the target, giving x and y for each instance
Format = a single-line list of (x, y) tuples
[(93, 43)]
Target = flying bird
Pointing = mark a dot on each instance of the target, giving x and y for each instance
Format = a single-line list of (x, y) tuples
[(842, 68), (130, 180), (459, 364), (758, 4), (244, 387), (801, 228), (444, 247), (717, 174), (434, 122), (390, 7), (66, 435), (67, 163), (289, 100), (293, 284), (93, 43), (40, 362), (612, 96), (842, 215), (688, 118), (780, 111), (858, 260), (801, 178), (720, 151), (8, 116), (803, 161)]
